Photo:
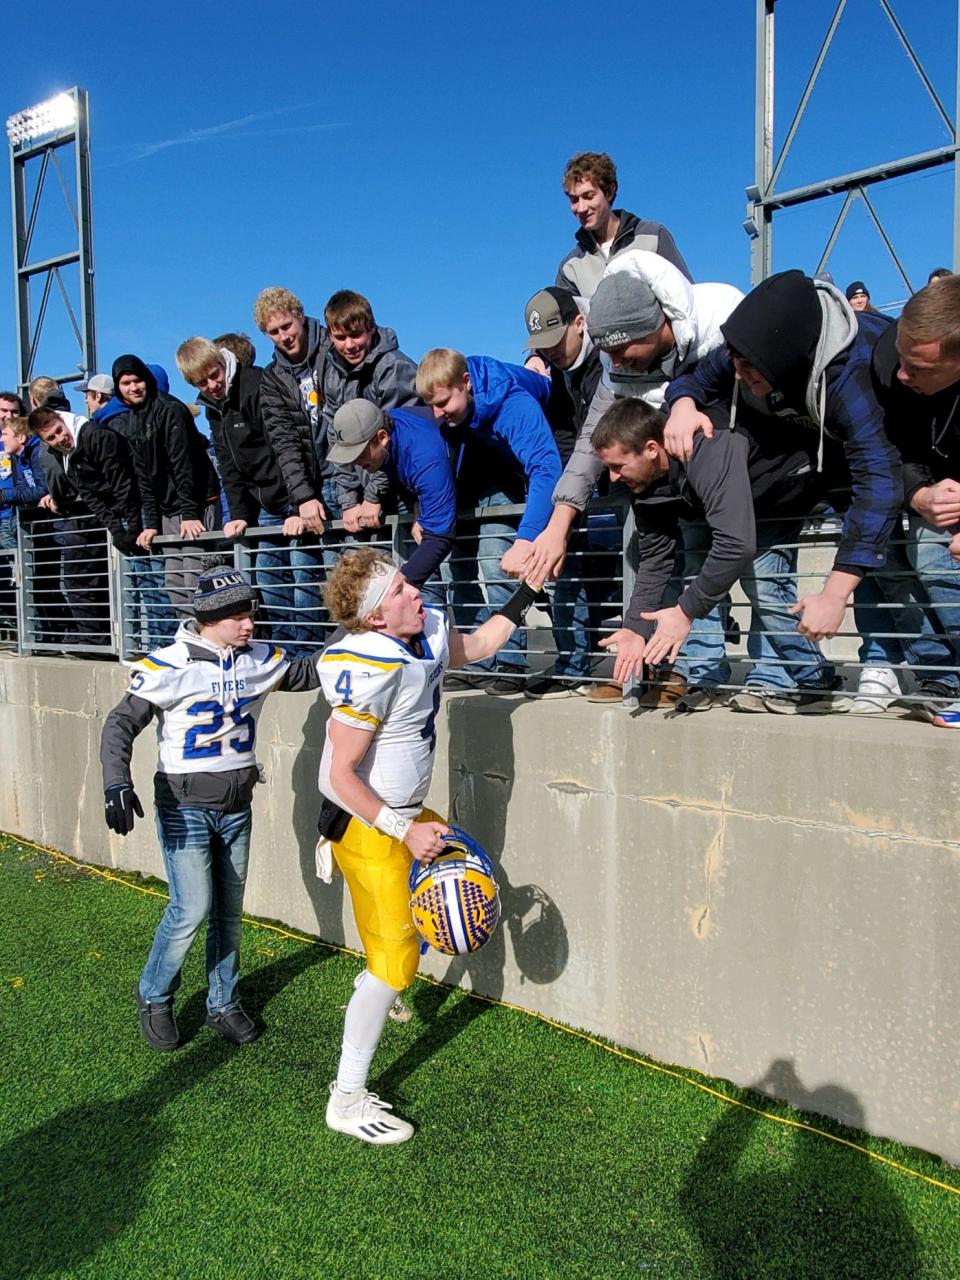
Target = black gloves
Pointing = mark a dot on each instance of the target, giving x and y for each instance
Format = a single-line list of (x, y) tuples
[(120, 803)]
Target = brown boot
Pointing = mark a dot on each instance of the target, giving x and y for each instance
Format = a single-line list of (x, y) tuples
[(608, 692), (663, 691)]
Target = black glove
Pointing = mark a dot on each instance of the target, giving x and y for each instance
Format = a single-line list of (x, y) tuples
[(120, 803), (126, 544)]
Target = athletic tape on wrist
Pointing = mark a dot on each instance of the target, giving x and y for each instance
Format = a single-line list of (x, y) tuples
[(392, 824)]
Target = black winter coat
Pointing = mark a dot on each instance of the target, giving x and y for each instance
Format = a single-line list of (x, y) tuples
[(248, 466)]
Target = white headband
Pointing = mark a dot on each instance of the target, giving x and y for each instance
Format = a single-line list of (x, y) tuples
[(381, 580)]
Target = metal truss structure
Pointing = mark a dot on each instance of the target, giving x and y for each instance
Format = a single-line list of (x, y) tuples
[(764, 199), (38, 137)]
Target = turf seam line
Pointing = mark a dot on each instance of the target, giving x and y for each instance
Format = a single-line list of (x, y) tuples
[(614, 1050)]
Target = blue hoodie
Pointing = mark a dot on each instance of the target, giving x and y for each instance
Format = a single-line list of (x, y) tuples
[(508, 414)]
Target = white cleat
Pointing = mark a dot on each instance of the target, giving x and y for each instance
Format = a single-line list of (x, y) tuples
[(362, 1115)]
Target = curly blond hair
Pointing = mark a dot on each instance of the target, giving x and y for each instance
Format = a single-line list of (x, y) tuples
[(346, 583), (270, 301)]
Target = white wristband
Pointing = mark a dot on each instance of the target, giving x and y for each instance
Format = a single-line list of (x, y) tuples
[(392, 824)]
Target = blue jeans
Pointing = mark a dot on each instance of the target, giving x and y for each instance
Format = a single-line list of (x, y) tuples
[(939, 576), (478, 586), (205, 854), (151, 617), (289, 578), (783, 658), (570, 610), (894, 617)]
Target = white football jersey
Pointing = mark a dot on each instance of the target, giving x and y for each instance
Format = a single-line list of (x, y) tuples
[(207, 711), (378, 683)]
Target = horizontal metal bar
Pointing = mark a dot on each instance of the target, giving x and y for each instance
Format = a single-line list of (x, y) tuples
[(860, 178), (48, 264)]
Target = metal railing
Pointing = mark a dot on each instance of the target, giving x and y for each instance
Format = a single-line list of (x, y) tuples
[(68, 591)]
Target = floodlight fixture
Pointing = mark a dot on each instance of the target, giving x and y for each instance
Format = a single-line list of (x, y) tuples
[(59, 112)]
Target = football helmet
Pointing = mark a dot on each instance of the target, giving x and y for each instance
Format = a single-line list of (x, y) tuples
[(454, 900)]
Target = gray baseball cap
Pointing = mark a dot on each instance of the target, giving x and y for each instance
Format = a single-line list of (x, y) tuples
[(547, 315), (623, 309), (101, 382), (354, 426)]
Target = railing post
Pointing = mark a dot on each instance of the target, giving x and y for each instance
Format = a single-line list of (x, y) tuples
[(631, 690)]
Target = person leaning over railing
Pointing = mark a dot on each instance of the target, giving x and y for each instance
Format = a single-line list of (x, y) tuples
[(492, 415), (406, 449), (89, 471), (289, 580), (795, 353), (724, 483), (651, 325), (916, 372)]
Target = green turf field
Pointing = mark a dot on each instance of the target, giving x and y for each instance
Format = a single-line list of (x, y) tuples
[(537, 1154)]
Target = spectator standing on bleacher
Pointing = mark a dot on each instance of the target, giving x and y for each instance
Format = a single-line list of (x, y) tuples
[(859, 298), (290, 398), (590, 182), (916, 370), (178, 485), (97, 392), (363, 361), (288, 579), (89, 471)]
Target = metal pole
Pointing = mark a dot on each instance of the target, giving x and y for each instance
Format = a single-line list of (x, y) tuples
[(88, 343), (761, 247)]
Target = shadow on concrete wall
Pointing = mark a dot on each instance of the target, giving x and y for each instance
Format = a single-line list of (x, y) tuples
[(326, 899), (74, 1183), (479, 803), (808, 1218)]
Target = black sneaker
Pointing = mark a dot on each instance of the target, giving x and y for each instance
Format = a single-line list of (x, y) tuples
[(236, 1026), (507, 682), (928, 699), (462, 681), (555, 687), (157, 1023), (700, 698), (807, 701)]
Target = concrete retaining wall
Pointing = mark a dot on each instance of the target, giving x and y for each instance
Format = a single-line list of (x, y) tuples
[(769, 899)]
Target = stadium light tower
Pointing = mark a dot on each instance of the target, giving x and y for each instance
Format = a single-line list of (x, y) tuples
[(37, 137), (763, 198)]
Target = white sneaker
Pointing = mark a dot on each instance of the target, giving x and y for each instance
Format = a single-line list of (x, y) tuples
[(398, 1010), (878, 688), (362, 1115)]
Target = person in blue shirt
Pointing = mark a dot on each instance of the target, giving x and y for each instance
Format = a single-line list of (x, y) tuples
[(493, 416), (406, 446)]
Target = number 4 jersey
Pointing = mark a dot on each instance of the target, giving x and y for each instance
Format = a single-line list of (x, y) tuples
[(377, 683)]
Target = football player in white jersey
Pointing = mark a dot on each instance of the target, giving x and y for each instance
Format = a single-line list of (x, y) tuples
[(206, 691), (383, 681)]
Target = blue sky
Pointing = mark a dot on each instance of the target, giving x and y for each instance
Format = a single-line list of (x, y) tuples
[(414, 152)]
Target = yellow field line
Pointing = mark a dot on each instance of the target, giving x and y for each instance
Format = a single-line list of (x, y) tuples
[(540, 1017)]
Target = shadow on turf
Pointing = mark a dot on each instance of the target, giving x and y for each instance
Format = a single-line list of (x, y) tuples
[(807, 1219), (74, 1183)]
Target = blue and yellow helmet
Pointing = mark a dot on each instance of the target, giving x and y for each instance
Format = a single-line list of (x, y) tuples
[(454, 900)]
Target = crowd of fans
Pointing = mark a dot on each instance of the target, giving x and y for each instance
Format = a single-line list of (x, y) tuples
[(726, 419)]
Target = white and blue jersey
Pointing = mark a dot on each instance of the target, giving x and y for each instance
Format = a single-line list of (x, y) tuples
[(377, 683), (207, 711)]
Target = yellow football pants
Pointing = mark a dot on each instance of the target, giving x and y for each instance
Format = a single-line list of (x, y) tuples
[(377, 871)]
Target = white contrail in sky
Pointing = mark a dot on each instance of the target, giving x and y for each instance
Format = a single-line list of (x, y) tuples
[(238, 128)]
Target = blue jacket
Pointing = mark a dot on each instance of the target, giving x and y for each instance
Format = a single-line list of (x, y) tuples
[(418, 463), (508, 416), (29, 484), (110, 410)]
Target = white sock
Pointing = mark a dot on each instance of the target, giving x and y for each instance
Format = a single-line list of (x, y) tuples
[(362, 1028)]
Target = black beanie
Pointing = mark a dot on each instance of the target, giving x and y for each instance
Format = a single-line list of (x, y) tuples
[(221, 591), (776, 328)]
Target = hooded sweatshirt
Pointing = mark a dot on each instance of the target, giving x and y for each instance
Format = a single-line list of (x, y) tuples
[(819, 367), (290, 402), (509, 422), (695, 312), (387, 378), (170, 455)]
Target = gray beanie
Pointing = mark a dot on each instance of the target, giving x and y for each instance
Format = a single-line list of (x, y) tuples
[(221, 591), (622, 310)]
